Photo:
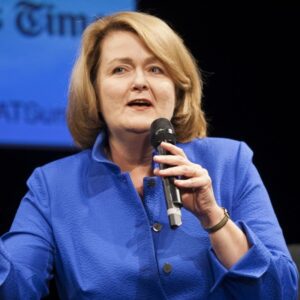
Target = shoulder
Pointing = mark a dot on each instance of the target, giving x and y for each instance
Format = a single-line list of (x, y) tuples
[(62, 169), (217, 150), (68, 162), (216, 145)]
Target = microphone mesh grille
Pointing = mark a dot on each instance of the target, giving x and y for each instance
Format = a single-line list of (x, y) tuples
[(162, 130)]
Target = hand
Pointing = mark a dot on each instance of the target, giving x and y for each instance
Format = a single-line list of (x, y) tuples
[(229, 243), (195, 184)]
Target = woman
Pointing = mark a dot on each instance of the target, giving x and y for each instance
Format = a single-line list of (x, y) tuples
[(98, 218)]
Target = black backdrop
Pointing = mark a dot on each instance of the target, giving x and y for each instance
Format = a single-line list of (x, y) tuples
[(250, 59)]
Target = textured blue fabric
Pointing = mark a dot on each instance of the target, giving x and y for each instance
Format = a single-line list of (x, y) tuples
[(83, 220)]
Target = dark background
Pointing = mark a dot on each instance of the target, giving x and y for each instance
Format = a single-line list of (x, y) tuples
[(250, 60)]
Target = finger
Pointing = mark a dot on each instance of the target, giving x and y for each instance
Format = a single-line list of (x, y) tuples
[(172, 149), (186, 171), (195, 182), (171, 160), (156, 171)]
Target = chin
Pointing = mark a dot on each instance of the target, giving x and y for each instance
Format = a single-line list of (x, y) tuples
[(140, 125), (139, 129), (142, 121)]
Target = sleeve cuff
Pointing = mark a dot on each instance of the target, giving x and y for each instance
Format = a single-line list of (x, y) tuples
[(252, 265)]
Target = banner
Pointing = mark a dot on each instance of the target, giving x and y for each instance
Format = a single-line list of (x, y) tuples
[(39, 42)]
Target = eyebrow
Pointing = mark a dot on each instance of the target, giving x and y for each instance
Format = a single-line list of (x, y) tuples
[(128, 60)]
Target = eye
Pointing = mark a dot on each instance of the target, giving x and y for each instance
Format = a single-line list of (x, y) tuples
[(118, 70), (156, 70)]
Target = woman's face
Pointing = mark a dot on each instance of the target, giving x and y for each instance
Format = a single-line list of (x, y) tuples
[(134, 87)]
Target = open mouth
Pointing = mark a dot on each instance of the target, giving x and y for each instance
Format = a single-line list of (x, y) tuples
[(140, 103)]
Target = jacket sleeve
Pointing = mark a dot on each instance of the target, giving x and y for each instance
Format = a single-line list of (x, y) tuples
[(27, 250), (266, 271)]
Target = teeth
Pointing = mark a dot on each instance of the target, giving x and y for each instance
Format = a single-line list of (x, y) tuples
[(139, 102)]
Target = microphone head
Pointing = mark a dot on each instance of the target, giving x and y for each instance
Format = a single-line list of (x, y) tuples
[(162, 130)]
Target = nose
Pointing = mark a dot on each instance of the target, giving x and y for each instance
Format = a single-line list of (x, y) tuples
[(139, 81)]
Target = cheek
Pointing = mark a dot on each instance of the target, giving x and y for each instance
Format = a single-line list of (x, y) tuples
[(106, 90), (109, 94), (168, 95)]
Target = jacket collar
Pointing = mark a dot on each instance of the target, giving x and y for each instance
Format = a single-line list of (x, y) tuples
[(99, 155), (98, 151)]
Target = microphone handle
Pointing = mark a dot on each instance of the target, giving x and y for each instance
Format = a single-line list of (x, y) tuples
[(172, 195)]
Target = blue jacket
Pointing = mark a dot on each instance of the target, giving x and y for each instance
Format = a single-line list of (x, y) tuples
[(83, 220)]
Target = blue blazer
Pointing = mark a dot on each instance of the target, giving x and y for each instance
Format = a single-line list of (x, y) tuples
[(83, 221)]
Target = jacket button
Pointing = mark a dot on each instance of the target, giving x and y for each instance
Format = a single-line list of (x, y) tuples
[(156, 227), (167, 268), (151, 183)]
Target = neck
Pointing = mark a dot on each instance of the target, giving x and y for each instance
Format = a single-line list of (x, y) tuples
[(130, 151)]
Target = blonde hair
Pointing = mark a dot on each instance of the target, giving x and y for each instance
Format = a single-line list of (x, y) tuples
[(83, 112)]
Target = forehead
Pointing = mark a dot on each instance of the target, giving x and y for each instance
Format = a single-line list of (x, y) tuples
[(123, 44)]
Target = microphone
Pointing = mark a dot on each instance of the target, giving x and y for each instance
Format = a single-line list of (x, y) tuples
[(162, 131)]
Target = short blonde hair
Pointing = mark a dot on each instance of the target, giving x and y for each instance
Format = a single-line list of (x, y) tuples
[(83, 112)]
